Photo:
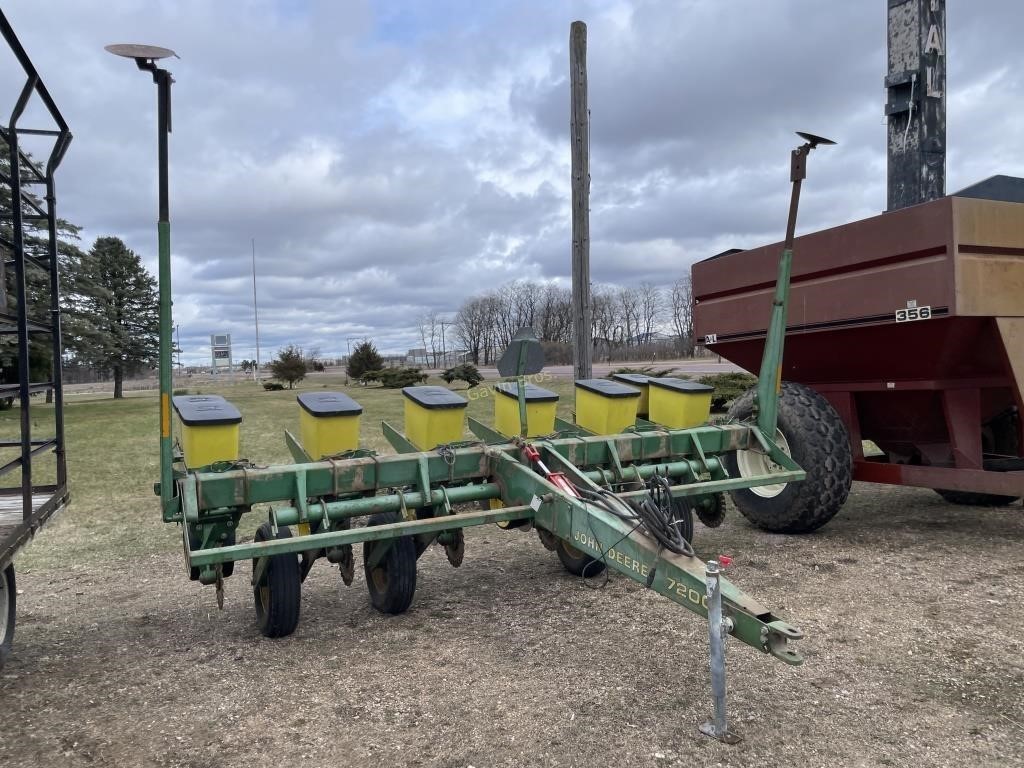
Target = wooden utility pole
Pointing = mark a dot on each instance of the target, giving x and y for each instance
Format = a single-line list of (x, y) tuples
[(579, 131)]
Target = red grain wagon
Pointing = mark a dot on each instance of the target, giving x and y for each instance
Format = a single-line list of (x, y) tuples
[(910, 325)]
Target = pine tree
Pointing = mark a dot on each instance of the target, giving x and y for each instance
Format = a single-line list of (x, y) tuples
[(117, 312), (364, 358), (37, 281), (466, 371), (289, 367)]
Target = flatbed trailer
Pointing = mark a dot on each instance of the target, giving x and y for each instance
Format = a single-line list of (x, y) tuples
[(28, 241)]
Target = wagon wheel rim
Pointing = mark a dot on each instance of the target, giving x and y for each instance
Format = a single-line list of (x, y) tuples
[(753, 463)]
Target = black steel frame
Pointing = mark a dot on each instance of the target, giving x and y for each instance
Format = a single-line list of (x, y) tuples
[(39, 502)]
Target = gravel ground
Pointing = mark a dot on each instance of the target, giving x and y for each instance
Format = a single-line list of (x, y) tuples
[(912, 611)]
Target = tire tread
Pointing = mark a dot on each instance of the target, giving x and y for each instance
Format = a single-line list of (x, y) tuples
[(401, 562), (285, 583), (584, 565), (827, 460)]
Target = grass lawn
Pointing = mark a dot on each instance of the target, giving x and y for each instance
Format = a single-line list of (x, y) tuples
[(113, 459)]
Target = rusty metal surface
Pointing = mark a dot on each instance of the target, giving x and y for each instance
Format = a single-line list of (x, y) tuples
[(858, 273), (969, 480), (958, 256), (880, 354)]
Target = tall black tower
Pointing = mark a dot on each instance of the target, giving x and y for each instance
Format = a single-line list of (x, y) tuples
[(916, 102)]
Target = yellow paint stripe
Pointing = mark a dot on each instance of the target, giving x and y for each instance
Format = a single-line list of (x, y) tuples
[(165, 415)]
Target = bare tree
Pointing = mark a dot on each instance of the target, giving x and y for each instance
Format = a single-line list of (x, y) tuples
[(471, 325), (620, 316), (505, 317), (651, 304), (430, 334), (681, 301), (313, 359), (605, 317), (629, 306), (492, 309), (553, 314), (516, 306)]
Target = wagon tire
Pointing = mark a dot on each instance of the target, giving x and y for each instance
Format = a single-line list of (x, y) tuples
[(971, 499), (8, 599), (578, 563), (278, 595), (811, 432), (391, 582)]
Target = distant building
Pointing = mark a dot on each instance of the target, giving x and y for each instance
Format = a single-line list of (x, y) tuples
[(417, 357)]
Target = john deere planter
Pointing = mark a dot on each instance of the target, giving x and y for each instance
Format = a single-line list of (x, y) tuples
[(623, 501)]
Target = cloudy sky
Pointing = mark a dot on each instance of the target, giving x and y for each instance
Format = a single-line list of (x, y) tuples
[(392, 158)]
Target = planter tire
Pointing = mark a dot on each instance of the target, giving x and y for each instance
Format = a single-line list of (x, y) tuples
[(576, 562), (279, 593), (391, 582)]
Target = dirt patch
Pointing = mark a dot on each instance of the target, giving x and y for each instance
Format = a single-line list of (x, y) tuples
[(912, 610)]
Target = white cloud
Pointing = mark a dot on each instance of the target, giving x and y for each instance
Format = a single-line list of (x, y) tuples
[(394, 157)]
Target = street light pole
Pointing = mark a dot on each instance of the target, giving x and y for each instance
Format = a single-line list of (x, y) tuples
[(256, 313), (146, 58)]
